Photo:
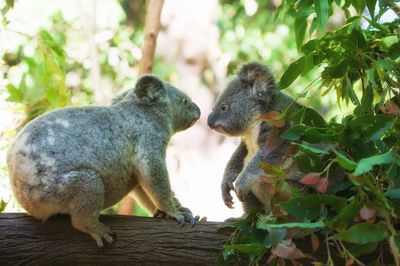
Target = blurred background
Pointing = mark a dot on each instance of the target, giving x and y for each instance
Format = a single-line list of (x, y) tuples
[(60, 53)]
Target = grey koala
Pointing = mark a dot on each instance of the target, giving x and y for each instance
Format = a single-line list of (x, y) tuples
[(80, 160), (249, 94)]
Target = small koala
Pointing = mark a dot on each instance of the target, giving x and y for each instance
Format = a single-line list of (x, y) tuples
[(80, 160), (249, 94)]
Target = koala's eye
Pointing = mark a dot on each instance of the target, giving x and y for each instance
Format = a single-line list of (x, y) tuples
[(223, 107), (185, 101)]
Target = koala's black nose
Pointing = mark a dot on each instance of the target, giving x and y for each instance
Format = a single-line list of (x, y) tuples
[(211, 120)]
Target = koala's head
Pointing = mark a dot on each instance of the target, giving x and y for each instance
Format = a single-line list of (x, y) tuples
[(167, 100), (243, 100)]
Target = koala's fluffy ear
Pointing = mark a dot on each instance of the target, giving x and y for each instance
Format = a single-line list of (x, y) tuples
[(259, 78), (148, 88)]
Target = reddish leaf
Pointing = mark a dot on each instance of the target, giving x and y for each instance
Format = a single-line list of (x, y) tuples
[(322, 185), (273, 141), (350, 262), (287, 251), (314, 242), (310, 179), (390, 108), (367, 213), (273, 118)]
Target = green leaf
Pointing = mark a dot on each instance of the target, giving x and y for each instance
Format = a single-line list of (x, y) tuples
[(305, 225), (372, 127), (348, 86), (345, 162), (334, 72), (322, 10), (293, 71), (275, 236), (310, 206), (363, 233), (310, 46), (346, 216), (311, 150), (314, 135), (393, 193), (308, 163), (365, 165), (294, 133), (15, 94), (371, 7), (338, 187), (363, 249), (254, 249), (359, 5), (309, 117), (358, 39), (385, 64), (303, 12), (367, 100), (389, 40), (309, 65), (52, 97), (300, 26)]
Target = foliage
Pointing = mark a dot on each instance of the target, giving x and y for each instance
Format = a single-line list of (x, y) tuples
[(42, 85), (360, 207), (46, 65)]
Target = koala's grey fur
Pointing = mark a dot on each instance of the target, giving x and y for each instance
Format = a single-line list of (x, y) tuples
[(249, 94), (80, 160)]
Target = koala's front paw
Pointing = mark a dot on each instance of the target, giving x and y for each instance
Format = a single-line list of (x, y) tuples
[(188, 215), (226, 188), (183, 215), (242, 191)]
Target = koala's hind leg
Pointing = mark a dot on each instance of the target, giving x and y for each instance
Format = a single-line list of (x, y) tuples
[(85, 209)]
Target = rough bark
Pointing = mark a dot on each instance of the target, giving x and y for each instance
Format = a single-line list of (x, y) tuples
[(139, 241)]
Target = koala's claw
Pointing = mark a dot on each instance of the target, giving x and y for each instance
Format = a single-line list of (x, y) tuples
[(226, 194), (104, 232), (187, 213), (181, 219), (184, 215)]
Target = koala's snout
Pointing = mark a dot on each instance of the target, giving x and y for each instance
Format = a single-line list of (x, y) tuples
[(211, 120), (216, 123), (197, 112)]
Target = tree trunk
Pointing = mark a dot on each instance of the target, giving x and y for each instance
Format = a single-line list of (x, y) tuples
[(151, 29), (139, 241)]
